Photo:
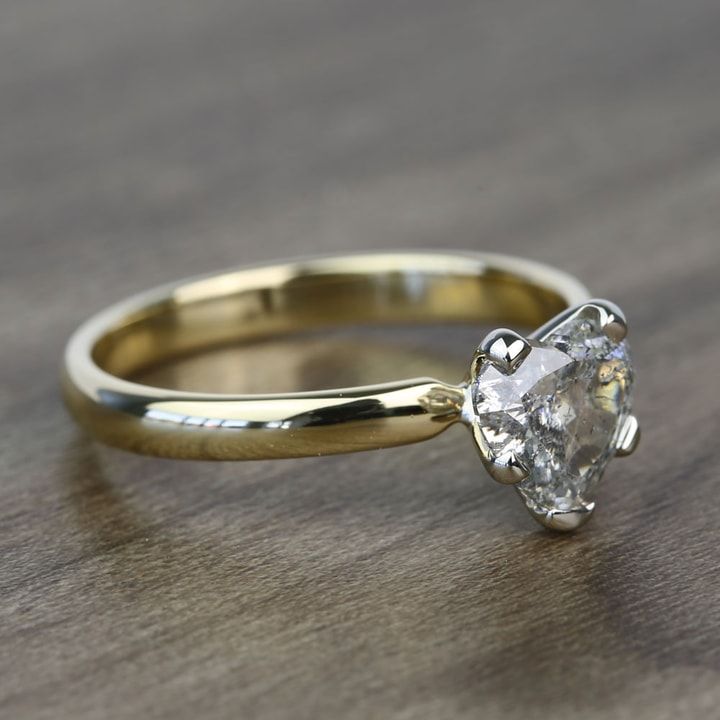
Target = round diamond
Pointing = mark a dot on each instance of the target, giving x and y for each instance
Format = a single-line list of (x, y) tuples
[(558, 412)]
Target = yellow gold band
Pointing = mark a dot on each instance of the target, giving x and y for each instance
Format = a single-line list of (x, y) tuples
[(254, 303)]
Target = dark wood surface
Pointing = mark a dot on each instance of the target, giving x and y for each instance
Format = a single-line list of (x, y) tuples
[(142, 141)]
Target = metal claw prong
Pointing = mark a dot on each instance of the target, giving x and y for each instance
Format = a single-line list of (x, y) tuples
[(563, 520), (506, 469), (504, 348), (628, 436), (611, 318)]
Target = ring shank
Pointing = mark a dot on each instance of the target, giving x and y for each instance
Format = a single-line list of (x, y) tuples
[(254, 303)]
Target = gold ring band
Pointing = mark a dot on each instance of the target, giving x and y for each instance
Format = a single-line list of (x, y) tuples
[(254, 303)]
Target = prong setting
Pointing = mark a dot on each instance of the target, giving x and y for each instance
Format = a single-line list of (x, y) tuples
[(536, 405), (628, 437), (506, 469), (504, 348), (563, 520), (611, 319)]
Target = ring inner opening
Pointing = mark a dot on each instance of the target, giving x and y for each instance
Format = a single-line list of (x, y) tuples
[(259, 304)]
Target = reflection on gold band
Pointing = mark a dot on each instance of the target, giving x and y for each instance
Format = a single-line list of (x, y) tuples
[(257, 303)]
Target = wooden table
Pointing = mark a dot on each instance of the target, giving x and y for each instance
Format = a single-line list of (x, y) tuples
[(143, 141)]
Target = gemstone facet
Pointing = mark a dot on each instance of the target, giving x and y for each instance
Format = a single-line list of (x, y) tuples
[(557, 413)]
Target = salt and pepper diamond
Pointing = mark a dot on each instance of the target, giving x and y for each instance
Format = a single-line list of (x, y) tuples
[(549, 412)]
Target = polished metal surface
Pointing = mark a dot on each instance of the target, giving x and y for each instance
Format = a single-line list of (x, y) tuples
[(254, 303), (506, 349), (628, 437)]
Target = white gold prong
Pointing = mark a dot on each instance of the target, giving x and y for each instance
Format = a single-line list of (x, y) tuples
[(611, 318), (504, 348), (563, 520), (506, 469), (628, 436)]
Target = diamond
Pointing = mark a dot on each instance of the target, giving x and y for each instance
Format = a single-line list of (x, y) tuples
[(558, 413)]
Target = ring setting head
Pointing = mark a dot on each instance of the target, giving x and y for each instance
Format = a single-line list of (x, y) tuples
[(548, 412)]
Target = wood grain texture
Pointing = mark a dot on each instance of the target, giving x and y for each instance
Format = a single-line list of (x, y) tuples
[(142, 141)]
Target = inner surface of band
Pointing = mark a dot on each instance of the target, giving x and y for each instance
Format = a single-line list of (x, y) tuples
[(258, 303)]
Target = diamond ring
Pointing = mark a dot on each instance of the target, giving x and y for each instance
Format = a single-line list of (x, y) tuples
[(547, 410)]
